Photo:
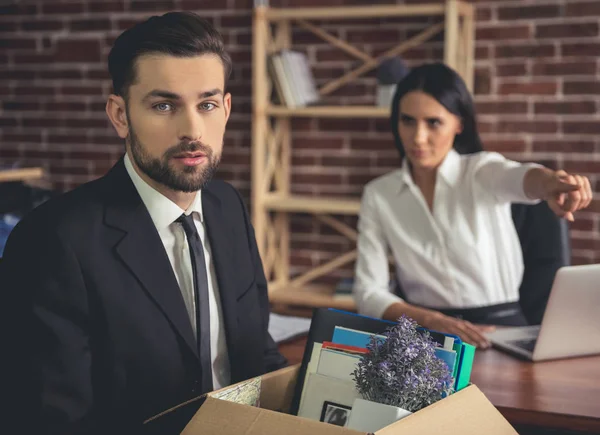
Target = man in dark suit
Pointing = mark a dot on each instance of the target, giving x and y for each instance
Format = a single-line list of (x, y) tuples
[(144, 288)]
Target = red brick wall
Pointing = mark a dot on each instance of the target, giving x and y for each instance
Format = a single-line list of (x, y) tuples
[(537, 91)]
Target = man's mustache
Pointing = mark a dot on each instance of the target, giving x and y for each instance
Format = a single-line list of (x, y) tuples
[(188, 147)]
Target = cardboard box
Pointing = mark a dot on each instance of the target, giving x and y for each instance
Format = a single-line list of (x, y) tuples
[(467, 412)]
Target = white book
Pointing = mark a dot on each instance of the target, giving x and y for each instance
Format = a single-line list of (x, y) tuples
[(312, 366), (293, 77), (323, 393), (306, 79), (448, 343), (337, 364), (282, 82)]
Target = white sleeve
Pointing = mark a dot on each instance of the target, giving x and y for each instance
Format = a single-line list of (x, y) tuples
[(503, 178), (371, 290)]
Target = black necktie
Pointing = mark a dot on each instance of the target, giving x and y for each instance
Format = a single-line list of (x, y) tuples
[(201, 299)]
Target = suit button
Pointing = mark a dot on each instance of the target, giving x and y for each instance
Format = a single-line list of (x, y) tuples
[(196, 387)]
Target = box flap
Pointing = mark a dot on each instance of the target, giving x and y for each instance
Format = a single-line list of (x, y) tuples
[(467, 412), (228, 418), (173, 420), (277, 388)]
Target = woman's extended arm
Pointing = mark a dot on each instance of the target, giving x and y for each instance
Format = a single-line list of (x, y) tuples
[(510, 181), (565, 193), (436, 321)]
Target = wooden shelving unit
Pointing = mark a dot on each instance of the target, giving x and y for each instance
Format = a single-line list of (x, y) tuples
[(312, 298), (309, 204), (272, 202), (20, 174), (329, 112)]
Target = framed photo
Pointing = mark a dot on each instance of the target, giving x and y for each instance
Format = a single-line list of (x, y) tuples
[(334, 413)]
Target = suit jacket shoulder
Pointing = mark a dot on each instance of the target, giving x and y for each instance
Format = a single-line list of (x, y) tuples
[(69, 211)]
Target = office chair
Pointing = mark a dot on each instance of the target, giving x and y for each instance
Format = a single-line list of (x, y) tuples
[(544, 239)]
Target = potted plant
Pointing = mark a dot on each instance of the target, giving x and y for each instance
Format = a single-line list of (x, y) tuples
[(399, 375)]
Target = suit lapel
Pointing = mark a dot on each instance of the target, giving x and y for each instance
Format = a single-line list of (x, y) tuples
[(221, 247), (142, 251)]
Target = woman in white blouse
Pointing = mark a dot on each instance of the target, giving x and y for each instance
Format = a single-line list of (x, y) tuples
[(445, 215)]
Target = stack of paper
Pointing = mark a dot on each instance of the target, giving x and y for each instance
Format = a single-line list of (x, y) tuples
[(329, 390)]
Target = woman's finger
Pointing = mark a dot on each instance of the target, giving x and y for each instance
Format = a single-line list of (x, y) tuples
[(582, 191), (588, 191), (575, 200), (561, 173), (485, 328), (480, 334), (474, 335), (464, 336), (573, 197), (558, 210), (456, 328)]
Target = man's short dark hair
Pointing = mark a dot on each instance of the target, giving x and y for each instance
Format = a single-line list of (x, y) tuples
[(180, 34)]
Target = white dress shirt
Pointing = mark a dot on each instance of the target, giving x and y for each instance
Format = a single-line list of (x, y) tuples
[(164, 212), (463, 254)]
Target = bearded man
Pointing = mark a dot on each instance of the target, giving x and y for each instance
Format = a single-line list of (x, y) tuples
[(142, 289)]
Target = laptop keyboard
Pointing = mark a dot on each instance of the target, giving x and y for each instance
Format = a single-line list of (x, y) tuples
[(527, 344)]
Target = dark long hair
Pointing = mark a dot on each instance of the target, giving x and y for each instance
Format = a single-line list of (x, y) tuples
[(449, 89)]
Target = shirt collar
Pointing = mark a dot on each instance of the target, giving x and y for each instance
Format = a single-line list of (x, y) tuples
[(449, 170), (162, 210), (450, 167)]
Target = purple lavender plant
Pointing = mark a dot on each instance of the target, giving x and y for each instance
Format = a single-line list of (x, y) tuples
[(403, 370)]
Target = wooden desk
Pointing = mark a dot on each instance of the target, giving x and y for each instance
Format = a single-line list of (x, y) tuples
[(556, 395), (562, 394)]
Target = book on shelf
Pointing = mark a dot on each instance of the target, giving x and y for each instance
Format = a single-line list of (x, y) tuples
[(294, 82)]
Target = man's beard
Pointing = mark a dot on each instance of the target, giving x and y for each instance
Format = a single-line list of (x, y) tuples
[(190, 179)]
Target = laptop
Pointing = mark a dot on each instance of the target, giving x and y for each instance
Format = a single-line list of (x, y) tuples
[(571, 323)]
